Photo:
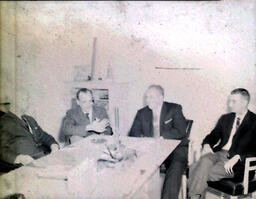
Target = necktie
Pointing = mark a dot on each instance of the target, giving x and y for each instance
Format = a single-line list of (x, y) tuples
[(237, 122)]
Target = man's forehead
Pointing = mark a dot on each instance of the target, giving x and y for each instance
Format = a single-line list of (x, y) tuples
[(84, 95), (153, 91), (235, 97)]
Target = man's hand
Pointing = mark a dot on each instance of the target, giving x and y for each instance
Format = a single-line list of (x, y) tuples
[(54, 147), (230, 163), (98, 126), (206, 149), (23, 159)]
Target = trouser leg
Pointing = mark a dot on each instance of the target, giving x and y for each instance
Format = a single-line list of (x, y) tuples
[(209, 168), (217, 171), (197, 182), (177, 164)]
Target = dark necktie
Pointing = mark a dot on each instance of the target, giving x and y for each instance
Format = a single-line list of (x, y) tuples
[(237, 123)]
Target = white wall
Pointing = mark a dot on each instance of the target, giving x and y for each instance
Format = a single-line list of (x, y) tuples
[(133, 39)]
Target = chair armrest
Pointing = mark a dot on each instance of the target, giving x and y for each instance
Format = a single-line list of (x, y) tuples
[(247, 169)]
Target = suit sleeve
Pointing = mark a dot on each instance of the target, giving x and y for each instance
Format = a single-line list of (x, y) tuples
[(104, 115), (136, 129), (6, 153), (43, 137), (70, 127), (215, 134), (178, 129)]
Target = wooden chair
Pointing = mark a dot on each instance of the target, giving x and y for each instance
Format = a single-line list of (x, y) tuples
[(235, 188), (186, 173)]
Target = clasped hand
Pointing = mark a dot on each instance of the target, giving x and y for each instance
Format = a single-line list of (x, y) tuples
[(98, 125), (228, 164)]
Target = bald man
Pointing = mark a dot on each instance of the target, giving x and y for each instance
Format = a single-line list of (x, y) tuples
[(164, 119)]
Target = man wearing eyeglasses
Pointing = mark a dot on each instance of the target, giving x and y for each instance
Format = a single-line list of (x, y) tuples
[(86, 118)]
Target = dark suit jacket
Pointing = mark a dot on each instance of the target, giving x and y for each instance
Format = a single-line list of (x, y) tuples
[(172, 123), (75, 121), (15, 138), (244, 140)]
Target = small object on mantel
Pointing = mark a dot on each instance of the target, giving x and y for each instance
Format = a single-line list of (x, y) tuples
[(82, 73)]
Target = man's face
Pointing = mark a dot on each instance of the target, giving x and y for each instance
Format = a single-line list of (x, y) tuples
[(85, 101), (153, 98), (237, 103)]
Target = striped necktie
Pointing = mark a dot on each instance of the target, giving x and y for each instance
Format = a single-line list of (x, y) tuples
[(237, 122)]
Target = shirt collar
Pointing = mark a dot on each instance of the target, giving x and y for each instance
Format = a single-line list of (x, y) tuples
[(159, 108), (241, 116)]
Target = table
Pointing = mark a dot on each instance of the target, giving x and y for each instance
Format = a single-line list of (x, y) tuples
[(72, 172)]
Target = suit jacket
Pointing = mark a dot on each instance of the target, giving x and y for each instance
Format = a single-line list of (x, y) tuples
[(244, 140), (172, 123), (15, 138), (75, 121)]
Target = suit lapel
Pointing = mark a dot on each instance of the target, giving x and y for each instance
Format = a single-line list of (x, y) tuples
[(149, 122), (245, 122), (163, 116), (94, 113), (230, 123), (81, 116), (18, 120), (163, 113), (30, 122)]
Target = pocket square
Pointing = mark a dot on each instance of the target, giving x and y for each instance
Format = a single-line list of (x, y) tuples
[(167, 121)]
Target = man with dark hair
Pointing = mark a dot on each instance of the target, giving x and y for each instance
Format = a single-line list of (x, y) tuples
[(22, 141), (164, 119), (86, 118), (226, 147)]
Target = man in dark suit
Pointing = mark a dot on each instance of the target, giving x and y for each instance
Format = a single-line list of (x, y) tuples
[(23, 140), (163, 119), (226, 147), (85, 119)]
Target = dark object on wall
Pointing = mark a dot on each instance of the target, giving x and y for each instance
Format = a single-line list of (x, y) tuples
[(93, 57), (5, 106), (15, 196)]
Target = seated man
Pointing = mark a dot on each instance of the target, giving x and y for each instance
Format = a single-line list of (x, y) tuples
[(164, 119), (23, 140), (86, 118), (226, 147)]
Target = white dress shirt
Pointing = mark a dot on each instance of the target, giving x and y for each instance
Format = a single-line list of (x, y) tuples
[(156, 121), (233, 131)]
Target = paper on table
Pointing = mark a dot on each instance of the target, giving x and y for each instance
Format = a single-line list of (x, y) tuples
[(54, 172)]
